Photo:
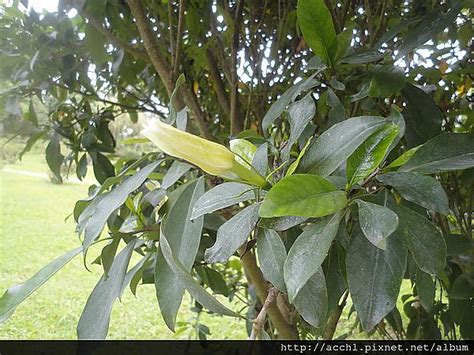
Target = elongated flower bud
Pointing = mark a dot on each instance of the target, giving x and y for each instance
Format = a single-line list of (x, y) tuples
[(213, 158)]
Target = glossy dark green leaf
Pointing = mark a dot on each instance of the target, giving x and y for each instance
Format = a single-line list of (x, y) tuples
[(213, 279), (232, 234), (425, 287), (103, 168), (377, 222), (374, 276), (300, 114), (370, 154), (54, 158), (17, 294), (326, 153), (279, 106), (94, 217), (386, 81), (431, 25), (422, 190), (422, 116), (184, 236), (95, 318), (312, 300), (189, 283), (302, 195), (174, 173), (222, 196), (335, 280), (81, 168), (446, 152), (308, 252), (362, 58), (281, 223), (316, 24), (271, 257), (422, 238)]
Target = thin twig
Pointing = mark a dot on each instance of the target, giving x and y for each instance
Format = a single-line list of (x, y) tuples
[(259, 322), (235, 122), (179, 39)]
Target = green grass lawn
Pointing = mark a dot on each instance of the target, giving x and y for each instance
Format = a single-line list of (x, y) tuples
[(33, 231)]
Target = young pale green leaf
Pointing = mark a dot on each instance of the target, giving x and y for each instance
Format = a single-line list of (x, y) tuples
[(260, 159), (222, 196), (302, 195), (308, 253), (402, 159), (377, 222), (17, 294), (174, 173), (279, 106), (271, 257), (334, 146), (446, 152), (232, 234), (422, 190), (300, 114), (95, 318), (422, 238), (312, 300), (374, 277), (244, 150), (316, 24), (370, 154), (423, 117), (94, 217), (189, 283), (184, 238)]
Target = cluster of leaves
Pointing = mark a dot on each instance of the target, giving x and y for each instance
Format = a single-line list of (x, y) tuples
[(369, 169)]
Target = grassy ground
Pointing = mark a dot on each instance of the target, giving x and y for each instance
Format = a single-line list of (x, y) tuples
[(33, 231)]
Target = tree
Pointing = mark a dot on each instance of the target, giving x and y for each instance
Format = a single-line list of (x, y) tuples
[(350, 165)]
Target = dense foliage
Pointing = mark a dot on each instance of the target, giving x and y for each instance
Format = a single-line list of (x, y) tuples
[(350, 166)]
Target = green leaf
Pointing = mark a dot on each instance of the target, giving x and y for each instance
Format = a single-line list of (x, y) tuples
[(271, 257), (316, 24), (260, 159), (446, 152), (402, 159), (377, 222), (344, 39), (334, 146), (232, 234), (279, 106), (103, 168), (31, 142), (32, 116), (54, 158), (302, 195), (432, 24), (95, 44), (173, 113), (300, 114), (184, 238), (362, 58), (222, 196), (374, 276), (81, 168), (213, 279), (422, 190), (425, 287), (17, 294), (244, 150), (386, 81), (422, 116), (94, 217), (312, 300), (174, 173), (308, 253), (95, 318), (422, 238), (189, 283), (281, 223), (368, 156)]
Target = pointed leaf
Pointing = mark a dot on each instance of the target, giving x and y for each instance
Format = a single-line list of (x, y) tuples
[(374, 276), (271, 257), (334, 146), (302, 195), (308, 253), (174, 173), (377, 222), (260, 159)]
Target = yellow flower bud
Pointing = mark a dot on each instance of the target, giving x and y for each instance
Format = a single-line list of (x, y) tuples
[(211, 157)]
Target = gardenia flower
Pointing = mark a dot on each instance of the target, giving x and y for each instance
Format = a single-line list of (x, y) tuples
[(213, 158)]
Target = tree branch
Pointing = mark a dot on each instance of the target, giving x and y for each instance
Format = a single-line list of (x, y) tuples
[(218, 83), (259, 322), (179, 39), (235, 121), (170, 22), (285, 330)]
